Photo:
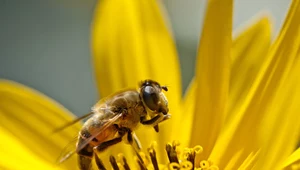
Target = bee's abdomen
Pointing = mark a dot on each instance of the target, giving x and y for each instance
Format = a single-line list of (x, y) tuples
[(84, 134), (86, 150)]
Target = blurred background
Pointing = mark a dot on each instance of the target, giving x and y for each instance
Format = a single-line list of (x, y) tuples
[(44, 44)]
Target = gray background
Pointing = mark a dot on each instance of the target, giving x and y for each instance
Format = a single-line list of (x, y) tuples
[(45, 43)]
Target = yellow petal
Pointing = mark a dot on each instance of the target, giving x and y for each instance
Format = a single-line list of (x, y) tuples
[(234, 160), (292, 159), (188, 104), (281, 120), (249, 161), (272, 75), (31, 117), (280, 126), (248, 51), (130, 43), (212, 74), (16, 155)]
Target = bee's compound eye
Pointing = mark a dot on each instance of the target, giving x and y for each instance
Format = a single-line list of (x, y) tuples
[(150, 98)]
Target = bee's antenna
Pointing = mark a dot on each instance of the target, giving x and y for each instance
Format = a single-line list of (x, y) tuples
[(71, 123), (165, 88)]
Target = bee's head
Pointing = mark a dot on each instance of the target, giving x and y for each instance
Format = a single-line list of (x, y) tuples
[(153, 97)]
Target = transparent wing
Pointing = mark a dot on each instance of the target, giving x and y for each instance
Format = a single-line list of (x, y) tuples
[(71, 148), (68, 151), (99, 130)]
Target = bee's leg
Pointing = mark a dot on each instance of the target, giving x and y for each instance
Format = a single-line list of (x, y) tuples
[(85, 158), (165, 117), (156, 128), (151, 121), (105, 145), (137, 141), (155, 120), (133, 140)]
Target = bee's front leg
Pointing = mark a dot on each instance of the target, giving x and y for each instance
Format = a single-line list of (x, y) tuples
[(155, 120), (151, 121)]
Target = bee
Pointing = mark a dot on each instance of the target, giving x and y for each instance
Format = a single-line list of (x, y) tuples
[(115, 119)]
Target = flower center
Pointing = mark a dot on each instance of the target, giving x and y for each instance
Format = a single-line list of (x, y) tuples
[(179, 159)]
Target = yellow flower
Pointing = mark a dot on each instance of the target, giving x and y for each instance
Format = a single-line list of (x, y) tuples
[(242, 106)]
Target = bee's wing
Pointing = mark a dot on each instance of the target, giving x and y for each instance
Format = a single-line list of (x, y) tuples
[(72, 147), (68, 151), (98, 130), (72, 122)]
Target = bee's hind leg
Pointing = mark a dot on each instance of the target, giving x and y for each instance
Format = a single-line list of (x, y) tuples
[(105, 145)]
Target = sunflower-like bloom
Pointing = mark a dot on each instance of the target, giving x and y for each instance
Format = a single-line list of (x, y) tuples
[(241, 111)]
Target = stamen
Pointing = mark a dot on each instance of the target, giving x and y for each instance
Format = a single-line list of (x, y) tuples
[(145, 158), (99, 163), (153, 144), (207, 165), (213, 167), (198, 149), (178, 160), (172, 154), (123, 162), (191, 159), (204, 164), (174, 166), (186, 165), (139, 158), (175, 143), (141, 165), (120, 165), (190, 154), (113, 163), (152, 154)]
